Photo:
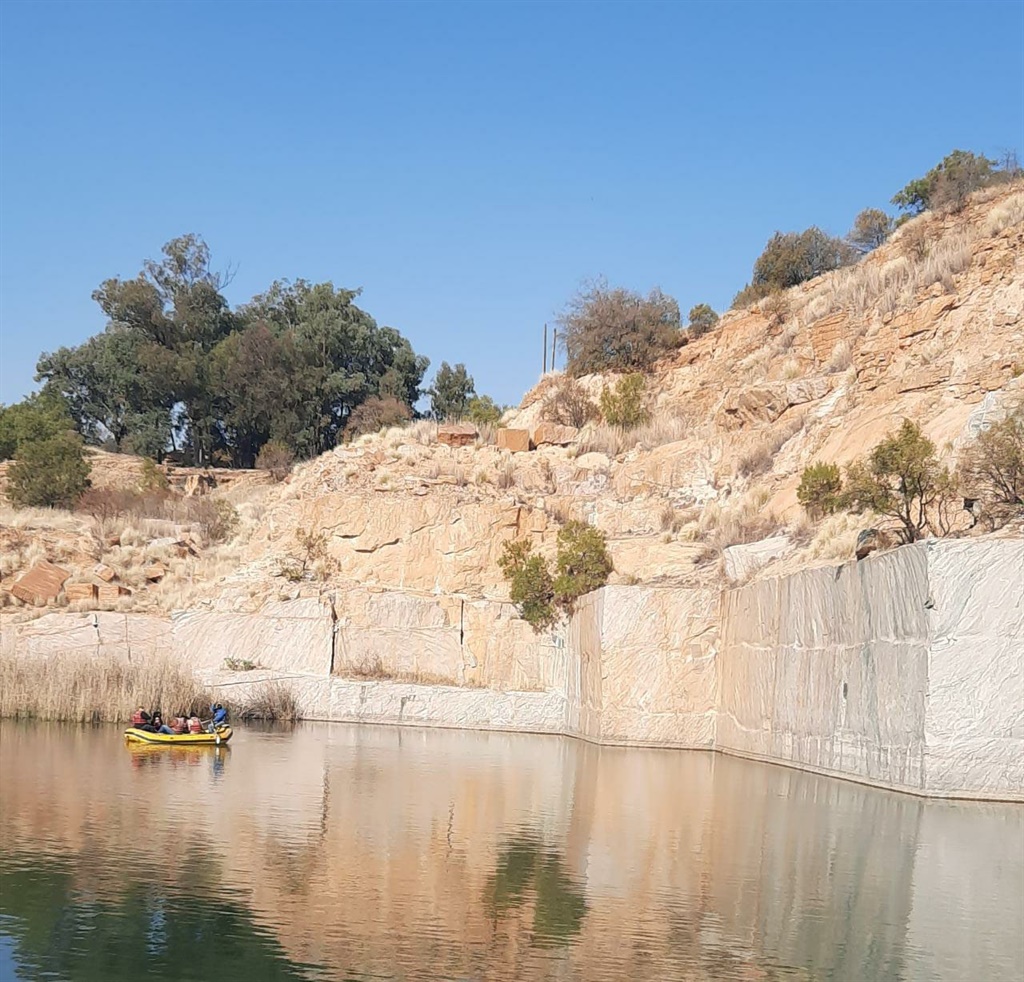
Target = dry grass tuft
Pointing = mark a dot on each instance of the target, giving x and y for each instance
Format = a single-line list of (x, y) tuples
[(82, 689), (268, 701), (615, 441), (1005, 215)]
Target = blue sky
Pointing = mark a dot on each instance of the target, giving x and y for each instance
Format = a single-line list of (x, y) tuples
[(467, 164)]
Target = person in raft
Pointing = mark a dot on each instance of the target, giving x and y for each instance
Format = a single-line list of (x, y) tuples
[(159, 726), (195, 724), (179, 724), (141, 720), (220, 715)]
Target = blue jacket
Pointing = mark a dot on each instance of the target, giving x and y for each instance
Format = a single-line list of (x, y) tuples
[(220, 716)]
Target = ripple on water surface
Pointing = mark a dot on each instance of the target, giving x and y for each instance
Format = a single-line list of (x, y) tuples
[(346, 852)]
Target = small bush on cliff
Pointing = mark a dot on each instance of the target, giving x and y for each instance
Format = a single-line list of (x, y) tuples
[(568, 404), (991, 470), (152, 479), (375, 414), (484, 411), (903, 479), (531, 586), (624, 405), (618, 330), (702, 319), (582, 564), (870, 229), (39, 417), (820, 488), (50, 473), (277, 458), (948, 184)]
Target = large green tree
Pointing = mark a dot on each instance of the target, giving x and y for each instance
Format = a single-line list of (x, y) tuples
[(452, 392)]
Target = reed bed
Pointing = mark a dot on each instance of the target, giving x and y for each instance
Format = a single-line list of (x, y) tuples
[(77, 689), (268, 701)]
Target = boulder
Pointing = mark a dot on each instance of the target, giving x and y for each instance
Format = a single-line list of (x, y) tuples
[(457, 434), (104, 572), (80, 591), (514, 440), (554, 434), (41, 584), (155, 573), (110, 593)]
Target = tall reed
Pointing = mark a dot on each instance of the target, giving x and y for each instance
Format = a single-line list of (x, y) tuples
[(91, 690)]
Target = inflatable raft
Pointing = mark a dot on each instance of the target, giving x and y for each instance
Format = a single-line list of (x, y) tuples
[(219, 736)]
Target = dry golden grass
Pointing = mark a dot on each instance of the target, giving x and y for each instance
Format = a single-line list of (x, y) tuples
[(721, 526), (614, 441), (1004, 215), (81, 689), (269, 701)]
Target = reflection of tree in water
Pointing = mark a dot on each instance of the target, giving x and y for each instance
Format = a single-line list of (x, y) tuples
[(527, 870), (151, 931)]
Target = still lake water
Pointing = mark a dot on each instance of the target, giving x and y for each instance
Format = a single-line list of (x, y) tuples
[(355, 852)]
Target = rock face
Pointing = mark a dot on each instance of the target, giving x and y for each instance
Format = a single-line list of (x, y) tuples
[(79, 592), (515, 440), (41, 584), (457, 434), (888, 670)]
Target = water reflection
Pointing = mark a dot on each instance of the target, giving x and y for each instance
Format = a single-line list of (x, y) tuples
[(334, 852), (529, 874)]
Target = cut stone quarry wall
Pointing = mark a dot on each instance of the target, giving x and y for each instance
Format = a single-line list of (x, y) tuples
[(905, 670)]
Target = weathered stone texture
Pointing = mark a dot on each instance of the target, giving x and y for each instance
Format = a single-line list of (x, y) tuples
[(41, 584), (884, 670), (554, 434), (457, 434), (512, 439)]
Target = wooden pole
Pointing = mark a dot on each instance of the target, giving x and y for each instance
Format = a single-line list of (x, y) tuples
[(545, 349)]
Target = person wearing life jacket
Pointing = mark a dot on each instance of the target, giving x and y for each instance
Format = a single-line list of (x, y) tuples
[(179, 725), (140, 717), (195, 724)]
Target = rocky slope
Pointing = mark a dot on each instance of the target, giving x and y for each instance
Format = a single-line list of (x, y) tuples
[(933, 332)]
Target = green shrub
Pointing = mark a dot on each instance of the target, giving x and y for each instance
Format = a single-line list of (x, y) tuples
[(790, 258), (702, 319), (277, 458), (948, 184), (50, 473), (39, 417), (624, 406), (903, 479), (820, 488), (531, 587), (151, 478), (582, 564), (483, 411)]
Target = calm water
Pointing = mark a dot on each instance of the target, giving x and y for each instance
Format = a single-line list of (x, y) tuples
[(344, 852)]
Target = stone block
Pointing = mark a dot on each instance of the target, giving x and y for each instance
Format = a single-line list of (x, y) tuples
[(41, 584), (80, 591), (514, 440), (104, 572), (110, 593), (156, 572), (457, 434), (554, 434)]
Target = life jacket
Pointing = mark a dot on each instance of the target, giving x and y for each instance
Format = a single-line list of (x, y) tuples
[(194, 726), (137, 718), (179, 725)]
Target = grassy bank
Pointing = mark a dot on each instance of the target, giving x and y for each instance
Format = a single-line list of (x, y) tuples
[(93, 690)]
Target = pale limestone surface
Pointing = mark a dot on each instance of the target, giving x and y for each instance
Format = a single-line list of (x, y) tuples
[(892, 670), (904, 670), (294, 636)]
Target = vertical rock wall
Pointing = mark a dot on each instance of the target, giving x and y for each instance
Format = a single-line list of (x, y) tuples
[(884, 670)]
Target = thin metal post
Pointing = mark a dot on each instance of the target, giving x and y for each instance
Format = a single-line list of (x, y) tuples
[(545, 371)]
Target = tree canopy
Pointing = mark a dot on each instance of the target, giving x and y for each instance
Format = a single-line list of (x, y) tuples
[(177, 368)]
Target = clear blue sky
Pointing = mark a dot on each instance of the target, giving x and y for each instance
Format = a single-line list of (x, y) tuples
[(467, 164)]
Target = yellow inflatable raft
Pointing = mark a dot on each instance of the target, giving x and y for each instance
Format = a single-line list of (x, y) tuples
[(219, 736)]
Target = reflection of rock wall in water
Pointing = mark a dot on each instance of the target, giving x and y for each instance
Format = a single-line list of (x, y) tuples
[(904, 670)]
